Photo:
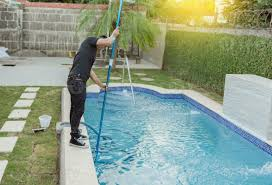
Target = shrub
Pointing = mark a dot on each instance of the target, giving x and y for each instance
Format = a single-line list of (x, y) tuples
[(205, 58)]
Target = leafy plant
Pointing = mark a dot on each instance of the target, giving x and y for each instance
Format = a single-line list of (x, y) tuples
[(205, 58), (135, 25), (249, 13)]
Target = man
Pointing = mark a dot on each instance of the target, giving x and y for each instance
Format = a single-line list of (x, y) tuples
[(81, 71)]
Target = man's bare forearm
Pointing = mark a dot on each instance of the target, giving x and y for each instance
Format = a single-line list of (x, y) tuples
[(107, 41), (96, 80)]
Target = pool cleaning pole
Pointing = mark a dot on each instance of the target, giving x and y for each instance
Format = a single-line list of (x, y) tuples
[(107, 83), (108, 30)]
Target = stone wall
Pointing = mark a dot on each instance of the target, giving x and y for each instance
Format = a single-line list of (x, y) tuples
[(51, 31), (10, 27), (49, 28), (40, 27)]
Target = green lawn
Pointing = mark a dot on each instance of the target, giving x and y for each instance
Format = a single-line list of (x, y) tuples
[(161, 78), (34, 160)]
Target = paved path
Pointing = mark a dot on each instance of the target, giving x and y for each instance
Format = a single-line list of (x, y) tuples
[(15, 124), (44, 71), (35, 72)]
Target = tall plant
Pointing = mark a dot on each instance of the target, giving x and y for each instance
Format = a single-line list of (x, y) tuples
[(135, 27), (253, 12)]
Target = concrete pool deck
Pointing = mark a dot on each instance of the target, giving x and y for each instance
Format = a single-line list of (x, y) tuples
[(76, 165), (44, 71)]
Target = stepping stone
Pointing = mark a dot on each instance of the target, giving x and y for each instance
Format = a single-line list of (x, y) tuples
[(3, 165), (140, 74), (19, 113), (13, 126), (115, 78), (23, 103), (32, 89), (147, 79), (7, 144), (28, 96)]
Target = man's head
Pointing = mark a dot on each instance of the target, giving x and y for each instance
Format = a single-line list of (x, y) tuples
[(101, 46), (103, 37)]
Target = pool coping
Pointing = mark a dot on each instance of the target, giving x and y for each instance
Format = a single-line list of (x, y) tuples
[(76, 165), (85, 171)]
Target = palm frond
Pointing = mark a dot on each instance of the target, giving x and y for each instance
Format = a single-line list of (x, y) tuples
[(135, 26)]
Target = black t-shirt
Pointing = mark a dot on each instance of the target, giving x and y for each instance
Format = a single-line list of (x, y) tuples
[(85, 58)]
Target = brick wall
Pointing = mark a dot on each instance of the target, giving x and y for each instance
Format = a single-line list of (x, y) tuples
[(51, 31), (10, 27), (38, 26)]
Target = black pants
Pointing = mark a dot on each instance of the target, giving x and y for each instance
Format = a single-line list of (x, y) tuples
[(77, 89)]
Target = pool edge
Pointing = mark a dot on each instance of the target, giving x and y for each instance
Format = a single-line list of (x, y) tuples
[(76, 165)]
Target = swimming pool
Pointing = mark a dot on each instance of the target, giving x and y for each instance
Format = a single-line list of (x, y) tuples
[(165, 139)]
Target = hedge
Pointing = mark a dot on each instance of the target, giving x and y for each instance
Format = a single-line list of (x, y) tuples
[(205, 58)]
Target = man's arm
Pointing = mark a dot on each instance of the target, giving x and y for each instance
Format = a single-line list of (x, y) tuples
[(96, 80), (101, 43)]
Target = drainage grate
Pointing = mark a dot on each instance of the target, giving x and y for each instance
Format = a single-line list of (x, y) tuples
[(9, 65)]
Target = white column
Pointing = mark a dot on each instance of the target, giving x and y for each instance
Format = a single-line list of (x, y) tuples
[(248, 101)]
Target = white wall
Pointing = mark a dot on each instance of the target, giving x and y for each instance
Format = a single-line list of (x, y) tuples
[(248, 101), (155, 55)]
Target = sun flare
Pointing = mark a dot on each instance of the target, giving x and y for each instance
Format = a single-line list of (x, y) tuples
[(193, 7)]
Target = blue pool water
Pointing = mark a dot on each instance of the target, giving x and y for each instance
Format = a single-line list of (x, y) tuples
[(170, 142)]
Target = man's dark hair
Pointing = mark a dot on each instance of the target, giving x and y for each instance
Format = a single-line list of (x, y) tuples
[(103, 37)]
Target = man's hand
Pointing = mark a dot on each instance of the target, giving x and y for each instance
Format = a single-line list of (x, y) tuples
[(115, 33), (97, 81), (104, 88)]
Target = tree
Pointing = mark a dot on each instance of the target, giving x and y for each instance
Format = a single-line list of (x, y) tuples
[(248, 12)]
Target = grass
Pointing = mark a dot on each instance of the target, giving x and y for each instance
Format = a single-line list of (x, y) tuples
[(161, 79), (34, 158)]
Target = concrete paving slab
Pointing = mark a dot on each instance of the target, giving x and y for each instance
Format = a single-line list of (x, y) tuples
[(19, 113), (115, 78), (3, 165), (13, 126), (76, 165), (32, 89), (36, 71), (147, 79), (28, 95), (7, 144), (23, 103), (140, 74)]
